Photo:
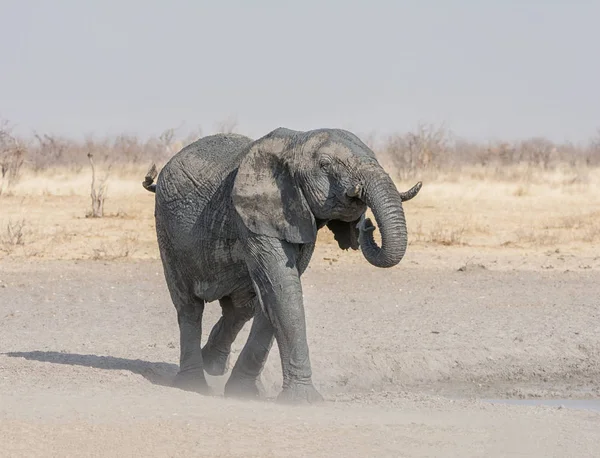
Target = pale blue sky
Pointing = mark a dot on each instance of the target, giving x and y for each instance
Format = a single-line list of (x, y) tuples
[(488, 69)]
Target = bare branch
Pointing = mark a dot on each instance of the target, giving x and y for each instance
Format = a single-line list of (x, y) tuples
[(12, 157), (98, 193), (228, 126)]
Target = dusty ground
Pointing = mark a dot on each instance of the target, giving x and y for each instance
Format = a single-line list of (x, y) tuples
[(89, 348), (497, 297)]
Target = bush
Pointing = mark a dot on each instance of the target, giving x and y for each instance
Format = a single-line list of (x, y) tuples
[(12, 157)]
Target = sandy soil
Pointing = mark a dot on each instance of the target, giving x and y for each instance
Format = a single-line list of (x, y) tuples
[(403, 357)]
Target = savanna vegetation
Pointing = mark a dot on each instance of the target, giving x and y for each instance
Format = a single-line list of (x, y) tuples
[(63, 198)]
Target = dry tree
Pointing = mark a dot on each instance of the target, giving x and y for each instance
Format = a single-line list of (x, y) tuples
[(228, 126), (12, 157), (429, 147), (98, 191)]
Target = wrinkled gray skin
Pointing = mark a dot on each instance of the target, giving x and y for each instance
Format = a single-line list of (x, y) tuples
[(237, 221)]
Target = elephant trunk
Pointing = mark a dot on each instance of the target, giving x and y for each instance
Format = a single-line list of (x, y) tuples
[(384, 200)]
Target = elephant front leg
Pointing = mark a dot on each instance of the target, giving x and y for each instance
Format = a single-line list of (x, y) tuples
[(276, 279), (215, 354), (244, 380), (191, 372)]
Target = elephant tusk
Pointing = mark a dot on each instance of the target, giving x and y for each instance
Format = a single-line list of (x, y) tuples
[(412, 192), (354, 191)]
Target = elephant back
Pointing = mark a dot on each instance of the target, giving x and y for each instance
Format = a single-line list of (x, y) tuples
[(198, 170), (198, 179)]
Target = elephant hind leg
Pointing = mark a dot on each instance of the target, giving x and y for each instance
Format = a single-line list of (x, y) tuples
[(191, 367), (190, 309), (237, 311)]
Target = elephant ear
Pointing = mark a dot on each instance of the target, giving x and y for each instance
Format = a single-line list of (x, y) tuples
[(266, 196), (345, 233)]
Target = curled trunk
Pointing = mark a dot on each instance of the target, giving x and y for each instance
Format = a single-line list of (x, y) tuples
[(384, 200)]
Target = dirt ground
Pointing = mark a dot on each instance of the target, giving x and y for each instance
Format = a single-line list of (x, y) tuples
[(403, 356), (497, 297)]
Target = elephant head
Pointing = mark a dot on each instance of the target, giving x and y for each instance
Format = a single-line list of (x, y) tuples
[(291, 183)]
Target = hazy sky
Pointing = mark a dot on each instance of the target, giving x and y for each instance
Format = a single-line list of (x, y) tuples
[(488, 69)]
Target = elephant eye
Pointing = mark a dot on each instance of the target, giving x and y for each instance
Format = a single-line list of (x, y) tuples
[(325, 163)]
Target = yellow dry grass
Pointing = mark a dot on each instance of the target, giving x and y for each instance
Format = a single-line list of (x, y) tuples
[(44, 215)]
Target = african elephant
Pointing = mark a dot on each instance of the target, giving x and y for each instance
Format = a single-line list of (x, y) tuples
[(237, 220)]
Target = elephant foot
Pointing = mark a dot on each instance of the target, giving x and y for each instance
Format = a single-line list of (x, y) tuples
[(244, 388), (215, 362), (192, 380), (299, 393)]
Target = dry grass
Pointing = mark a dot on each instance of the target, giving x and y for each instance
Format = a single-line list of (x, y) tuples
[(44, 216), (55, 204), (441, 234), (13, 236)]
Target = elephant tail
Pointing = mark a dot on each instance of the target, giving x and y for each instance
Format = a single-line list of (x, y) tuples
[(148, 182)]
